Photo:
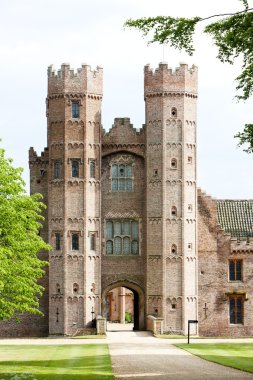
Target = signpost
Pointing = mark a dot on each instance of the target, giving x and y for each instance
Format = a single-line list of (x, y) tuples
[(189, 322)]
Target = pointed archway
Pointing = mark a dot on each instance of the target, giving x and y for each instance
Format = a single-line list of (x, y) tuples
[(138, 303)]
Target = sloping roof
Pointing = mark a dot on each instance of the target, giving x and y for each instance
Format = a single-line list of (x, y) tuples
[(236, 217)]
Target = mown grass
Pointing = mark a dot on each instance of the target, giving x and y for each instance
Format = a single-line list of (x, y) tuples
[(55, 362), (236, 355)]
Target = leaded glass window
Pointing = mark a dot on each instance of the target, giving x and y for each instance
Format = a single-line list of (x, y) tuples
[(236, 310), (92, 169), (75, 242), (75, 168), (75, 109), (122, 177), (57, 169), (122, 237)]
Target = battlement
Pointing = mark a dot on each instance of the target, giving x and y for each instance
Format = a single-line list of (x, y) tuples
[(66, 80), (164, 79), (33, 156)]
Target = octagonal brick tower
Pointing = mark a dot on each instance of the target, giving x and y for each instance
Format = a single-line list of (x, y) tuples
[(170, 99), (74, 124)]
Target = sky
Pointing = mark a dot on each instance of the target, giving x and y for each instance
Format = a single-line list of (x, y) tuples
[(35, 34)]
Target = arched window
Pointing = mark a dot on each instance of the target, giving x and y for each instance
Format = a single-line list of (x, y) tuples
[(173, 112), (173, 211), (58, 289), (75, 168), (75, 242), (173, 163), (173, 249), (122, 237), (75, 288), (92, 169)]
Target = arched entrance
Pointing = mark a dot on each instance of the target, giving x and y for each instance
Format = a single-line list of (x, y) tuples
[(137, 299)]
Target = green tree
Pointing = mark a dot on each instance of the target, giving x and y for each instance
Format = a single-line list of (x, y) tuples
[(20, 267), (232, 33)]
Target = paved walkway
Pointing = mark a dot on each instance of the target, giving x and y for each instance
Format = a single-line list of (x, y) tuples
[(140, 356)]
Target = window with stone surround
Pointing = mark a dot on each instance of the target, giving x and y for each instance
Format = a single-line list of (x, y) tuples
[(92, 242), (235, 270), (236, 306), (174, 112), (57, 241), (173, 163), (122, 177), (57, 169), (75, 242), (75, 109), (92, 169), (75, 168), (122, 237)]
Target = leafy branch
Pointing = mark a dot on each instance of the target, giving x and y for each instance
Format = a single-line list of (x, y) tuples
[(232, 33)]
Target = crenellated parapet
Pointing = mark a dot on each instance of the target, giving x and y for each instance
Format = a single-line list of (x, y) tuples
[(122, 131), (38, 160), (163, 81), (66, 80)]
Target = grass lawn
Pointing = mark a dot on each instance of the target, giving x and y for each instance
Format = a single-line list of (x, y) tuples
[(60, 362), (236, 355)]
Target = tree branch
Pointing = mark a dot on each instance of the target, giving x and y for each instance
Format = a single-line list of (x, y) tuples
[(226, 14)]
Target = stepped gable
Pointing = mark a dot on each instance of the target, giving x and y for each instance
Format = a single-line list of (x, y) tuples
[(236, 217), (123, 137)]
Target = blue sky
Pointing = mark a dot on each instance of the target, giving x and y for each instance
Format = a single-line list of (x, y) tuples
[(35, 34)]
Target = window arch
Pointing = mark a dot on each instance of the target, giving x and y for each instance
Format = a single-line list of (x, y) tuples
[(173, 249), (173, 112), (173, 211), (75, 242), (173, 163)]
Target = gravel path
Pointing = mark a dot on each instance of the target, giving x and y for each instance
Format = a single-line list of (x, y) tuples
[(138, 355)]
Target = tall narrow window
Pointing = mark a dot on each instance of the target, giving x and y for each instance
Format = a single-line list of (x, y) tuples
[(122, 177), (57, 169), (92, 169), (92, 242), (235, 270), (57, 241), (75, 109), (122, 237), (174, 249), (75, 168), (236, 310), (75, 242)]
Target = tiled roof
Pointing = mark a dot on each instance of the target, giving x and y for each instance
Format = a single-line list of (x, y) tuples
[(236, 217)]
